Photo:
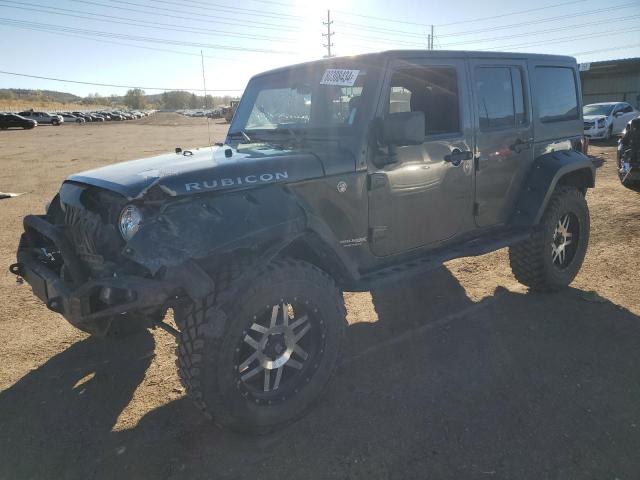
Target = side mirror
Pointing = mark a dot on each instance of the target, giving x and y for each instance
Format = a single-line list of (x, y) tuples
[(618, 114), (403, 128)]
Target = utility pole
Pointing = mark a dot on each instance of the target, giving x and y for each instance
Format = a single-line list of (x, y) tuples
[(431, 38), (328, 46)]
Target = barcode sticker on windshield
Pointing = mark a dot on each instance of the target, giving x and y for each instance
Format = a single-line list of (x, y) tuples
[(338, 76)]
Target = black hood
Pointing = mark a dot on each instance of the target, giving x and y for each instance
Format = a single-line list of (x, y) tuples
[(207, 169)]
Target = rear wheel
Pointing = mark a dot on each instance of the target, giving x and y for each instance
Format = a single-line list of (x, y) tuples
[(553, 255), (258, 355)]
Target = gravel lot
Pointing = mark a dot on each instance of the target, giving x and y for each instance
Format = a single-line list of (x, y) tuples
[(460, 374)]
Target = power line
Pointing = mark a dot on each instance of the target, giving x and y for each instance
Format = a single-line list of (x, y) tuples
[(537, 32), (284, 4), (171, 10), (129, 45), (480, 19), (502, 37), (402, 33), (543, 20), (219, 20), (45, 26), (226, 8), (404, 22), (138, 23), (559, 40), (119, 86)]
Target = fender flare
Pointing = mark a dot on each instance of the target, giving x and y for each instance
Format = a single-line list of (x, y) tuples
[(549, 170)]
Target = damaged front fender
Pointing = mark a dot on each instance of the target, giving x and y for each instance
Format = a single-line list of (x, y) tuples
[(204, 226)]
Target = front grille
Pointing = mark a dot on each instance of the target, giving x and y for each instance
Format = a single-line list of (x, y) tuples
[(588, 125), (84, 230)]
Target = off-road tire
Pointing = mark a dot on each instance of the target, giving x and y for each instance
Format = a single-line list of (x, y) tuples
[(212, 327), (531, 260)]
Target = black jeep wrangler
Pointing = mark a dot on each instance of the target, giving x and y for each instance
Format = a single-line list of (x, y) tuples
[(336, 175), (629, 155)]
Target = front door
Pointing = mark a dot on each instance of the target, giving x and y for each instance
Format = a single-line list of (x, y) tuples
[(425, 196), (504, 137), (622, 114)]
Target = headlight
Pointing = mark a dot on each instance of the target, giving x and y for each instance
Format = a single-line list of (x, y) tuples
[(130, 220), (601, 123)]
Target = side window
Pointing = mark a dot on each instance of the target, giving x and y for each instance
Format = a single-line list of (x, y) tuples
[(500, 96), (432, 90), (557, 97), (627, 108)]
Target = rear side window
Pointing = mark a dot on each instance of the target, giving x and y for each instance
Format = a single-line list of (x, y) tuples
[(556, 93), (500, 97)]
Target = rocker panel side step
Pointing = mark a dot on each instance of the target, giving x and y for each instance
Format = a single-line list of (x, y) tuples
[(435, 258)]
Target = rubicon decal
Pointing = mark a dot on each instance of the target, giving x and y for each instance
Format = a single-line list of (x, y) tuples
[(235, 181)]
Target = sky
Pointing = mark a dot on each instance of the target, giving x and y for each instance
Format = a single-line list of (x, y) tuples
[(157, 44)]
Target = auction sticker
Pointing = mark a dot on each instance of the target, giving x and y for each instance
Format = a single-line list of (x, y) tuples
[(339, 76)]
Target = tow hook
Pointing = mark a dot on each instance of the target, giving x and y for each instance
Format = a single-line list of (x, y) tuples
[(17, 271)]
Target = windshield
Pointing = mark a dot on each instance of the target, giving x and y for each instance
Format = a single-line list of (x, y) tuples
[(301, 99), (598, 109)]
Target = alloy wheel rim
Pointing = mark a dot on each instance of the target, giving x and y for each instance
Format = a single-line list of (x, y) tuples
[(565, 240), (279, 352)]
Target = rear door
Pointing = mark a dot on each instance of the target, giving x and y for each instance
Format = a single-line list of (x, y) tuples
[(504, 136), (422, 198)]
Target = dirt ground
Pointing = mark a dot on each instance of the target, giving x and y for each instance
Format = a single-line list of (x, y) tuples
[(459, 374)]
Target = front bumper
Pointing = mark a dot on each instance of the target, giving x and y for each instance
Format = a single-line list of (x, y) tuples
[(87, 303), (596, 133)]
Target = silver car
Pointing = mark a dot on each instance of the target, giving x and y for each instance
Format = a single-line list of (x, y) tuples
[(43, 118)]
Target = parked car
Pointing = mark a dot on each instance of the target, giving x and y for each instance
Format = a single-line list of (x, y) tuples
[(43, 118), (84, 115), (11, 120), (252, 243), (68, 117), (115, 116), (629, 155), (104, 115), (604, 120)]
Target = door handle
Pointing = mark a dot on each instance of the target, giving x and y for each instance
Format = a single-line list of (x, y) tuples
[(456, 157), (520, 144)]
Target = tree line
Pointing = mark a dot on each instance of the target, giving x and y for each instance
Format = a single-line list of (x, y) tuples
[(175, 100)]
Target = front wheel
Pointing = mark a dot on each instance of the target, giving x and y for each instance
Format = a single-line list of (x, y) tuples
[(258, 356), (609, 133), (552, 257)]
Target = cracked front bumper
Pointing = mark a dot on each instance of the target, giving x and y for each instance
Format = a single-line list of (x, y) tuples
[(87, 303)]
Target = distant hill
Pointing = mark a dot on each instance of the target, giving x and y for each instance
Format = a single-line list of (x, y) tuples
[(50, 95), (12, 99)]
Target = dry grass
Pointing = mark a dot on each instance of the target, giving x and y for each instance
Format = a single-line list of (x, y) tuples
[(20, 105)]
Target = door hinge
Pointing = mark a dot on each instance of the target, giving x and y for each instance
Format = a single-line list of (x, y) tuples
[(377, 234), (376, 180), (476, 209)]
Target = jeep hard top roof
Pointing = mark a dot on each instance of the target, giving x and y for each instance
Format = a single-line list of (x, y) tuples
[(378, 57)]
